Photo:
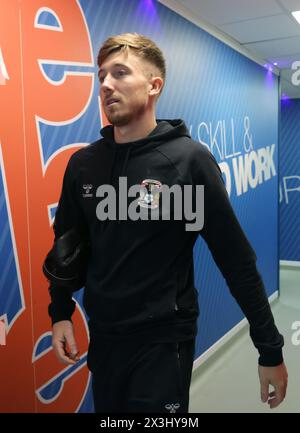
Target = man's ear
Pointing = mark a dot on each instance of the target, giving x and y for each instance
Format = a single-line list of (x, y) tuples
[(156, 85)]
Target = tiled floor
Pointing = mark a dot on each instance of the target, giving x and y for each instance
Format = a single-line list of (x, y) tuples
[(229, 382)]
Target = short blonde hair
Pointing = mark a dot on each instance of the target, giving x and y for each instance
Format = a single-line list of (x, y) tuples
[(142, 46)]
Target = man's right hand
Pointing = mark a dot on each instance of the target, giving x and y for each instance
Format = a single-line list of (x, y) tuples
[(63, 342)]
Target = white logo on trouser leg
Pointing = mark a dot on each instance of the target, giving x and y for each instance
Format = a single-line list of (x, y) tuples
[(172, 407)]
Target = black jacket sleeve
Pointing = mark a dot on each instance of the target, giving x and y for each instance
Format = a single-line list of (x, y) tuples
[(68, 215), (236, 260)]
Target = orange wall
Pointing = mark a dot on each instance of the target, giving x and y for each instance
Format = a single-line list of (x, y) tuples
[(30, 186)]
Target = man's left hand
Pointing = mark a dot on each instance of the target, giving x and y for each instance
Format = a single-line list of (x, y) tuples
[(278, 378)]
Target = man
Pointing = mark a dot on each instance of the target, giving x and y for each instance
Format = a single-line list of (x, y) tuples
[(139, 291)]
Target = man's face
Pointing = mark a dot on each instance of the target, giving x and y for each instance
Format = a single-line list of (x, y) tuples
[(125, 83)]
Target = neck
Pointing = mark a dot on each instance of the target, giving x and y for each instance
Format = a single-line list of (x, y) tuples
[(135, 130)]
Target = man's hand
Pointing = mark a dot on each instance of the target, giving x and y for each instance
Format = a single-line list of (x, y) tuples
[(278, 378), (63, 342)]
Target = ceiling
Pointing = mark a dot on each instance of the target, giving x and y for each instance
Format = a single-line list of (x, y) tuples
[(264, 28)]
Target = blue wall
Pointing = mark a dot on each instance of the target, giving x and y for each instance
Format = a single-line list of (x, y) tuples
[(290, 180)]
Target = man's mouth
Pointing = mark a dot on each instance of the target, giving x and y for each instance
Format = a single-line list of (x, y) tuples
[(111, 102)]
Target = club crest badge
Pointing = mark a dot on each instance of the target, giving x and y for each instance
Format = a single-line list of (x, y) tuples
[(149, 193)]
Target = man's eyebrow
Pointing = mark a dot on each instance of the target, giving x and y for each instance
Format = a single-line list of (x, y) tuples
[(113, 66)]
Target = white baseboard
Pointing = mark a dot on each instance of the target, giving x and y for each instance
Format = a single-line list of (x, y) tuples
[(289, 263)]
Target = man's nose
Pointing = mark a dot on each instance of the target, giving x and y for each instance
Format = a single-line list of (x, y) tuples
[(107, 84)]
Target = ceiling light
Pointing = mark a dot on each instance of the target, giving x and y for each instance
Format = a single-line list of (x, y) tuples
[(296, 15)]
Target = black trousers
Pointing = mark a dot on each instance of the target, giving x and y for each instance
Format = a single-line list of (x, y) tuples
[(135, 377)]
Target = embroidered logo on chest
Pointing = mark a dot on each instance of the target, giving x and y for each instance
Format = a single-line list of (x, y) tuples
[(149, 193)]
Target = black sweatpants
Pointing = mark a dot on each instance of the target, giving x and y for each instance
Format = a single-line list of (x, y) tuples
[(135, 377)]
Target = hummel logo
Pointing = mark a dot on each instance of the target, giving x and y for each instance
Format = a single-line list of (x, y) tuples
[(172, 407), (87, 188)]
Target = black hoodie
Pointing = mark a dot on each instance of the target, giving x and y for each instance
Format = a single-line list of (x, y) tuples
[(140, 279)]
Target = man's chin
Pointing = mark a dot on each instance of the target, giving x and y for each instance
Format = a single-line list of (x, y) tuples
[(118, 120)]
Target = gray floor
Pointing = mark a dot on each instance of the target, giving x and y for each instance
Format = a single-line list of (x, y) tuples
[(229, 382)]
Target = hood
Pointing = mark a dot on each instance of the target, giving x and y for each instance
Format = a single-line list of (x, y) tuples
[(164, 131)]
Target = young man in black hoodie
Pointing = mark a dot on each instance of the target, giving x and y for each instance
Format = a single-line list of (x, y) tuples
[(139, 290)]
